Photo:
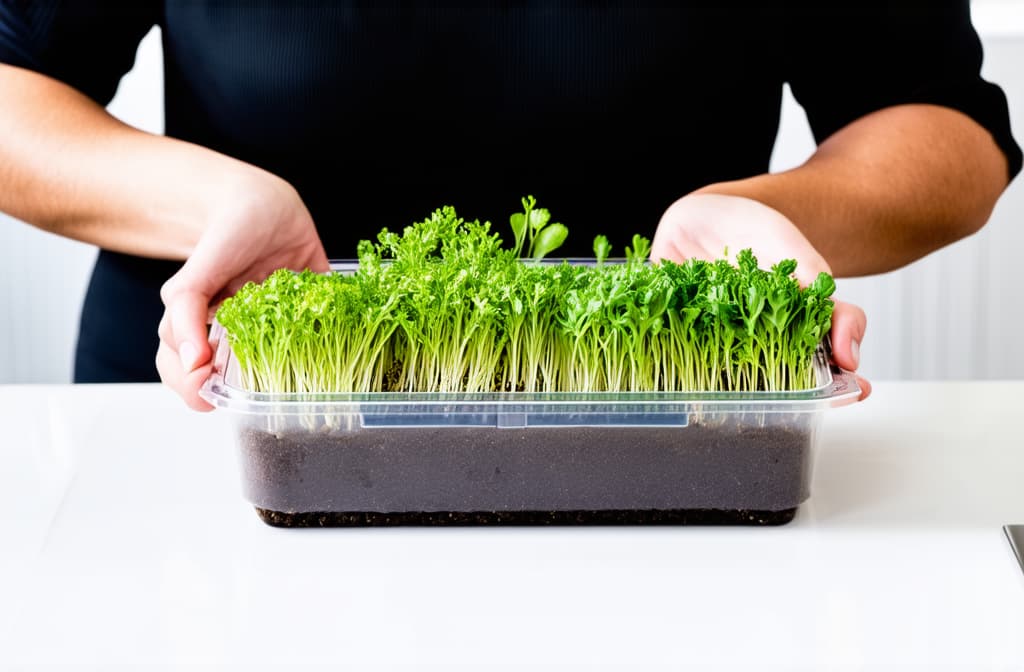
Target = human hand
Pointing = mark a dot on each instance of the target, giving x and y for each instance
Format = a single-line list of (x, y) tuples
[(262, 225), (704, 225)]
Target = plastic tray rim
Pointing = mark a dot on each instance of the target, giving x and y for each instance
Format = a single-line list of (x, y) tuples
[(837, 387)]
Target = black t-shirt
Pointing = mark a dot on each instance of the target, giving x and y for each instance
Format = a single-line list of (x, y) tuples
[(379, 112)]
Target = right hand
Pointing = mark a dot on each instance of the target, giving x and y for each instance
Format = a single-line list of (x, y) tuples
[(704, 225), (262, 225)]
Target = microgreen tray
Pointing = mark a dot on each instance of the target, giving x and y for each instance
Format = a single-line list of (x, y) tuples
[(526, 458)]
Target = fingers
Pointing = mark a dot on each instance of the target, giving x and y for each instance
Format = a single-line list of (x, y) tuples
[(318, 259), (848, 326), (667, 244), (183, 326), (188, 311), (186, 385), (687, 233), (865, 388), (183, 358)]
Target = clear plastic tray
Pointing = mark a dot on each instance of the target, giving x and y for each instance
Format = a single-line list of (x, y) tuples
[(390, 458)]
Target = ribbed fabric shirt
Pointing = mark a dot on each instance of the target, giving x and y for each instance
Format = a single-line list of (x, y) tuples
[(380, 112)]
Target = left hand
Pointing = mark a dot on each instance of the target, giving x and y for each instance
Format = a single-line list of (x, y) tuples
[(706, 225), (253, 228)]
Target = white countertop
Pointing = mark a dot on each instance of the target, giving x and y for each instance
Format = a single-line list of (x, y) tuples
[(125, 540)]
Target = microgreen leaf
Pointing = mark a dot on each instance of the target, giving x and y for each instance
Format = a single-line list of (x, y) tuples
[(518, 222), (602, 249), (549, 239), (639, 251), (539, 218)]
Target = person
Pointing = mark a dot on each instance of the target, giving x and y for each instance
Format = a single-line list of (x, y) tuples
[(294, 130)]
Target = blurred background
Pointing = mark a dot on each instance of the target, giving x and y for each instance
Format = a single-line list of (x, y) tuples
[(956, 314)]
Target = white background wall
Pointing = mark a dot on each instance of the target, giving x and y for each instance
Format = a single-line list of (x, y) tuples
[(958, 313)]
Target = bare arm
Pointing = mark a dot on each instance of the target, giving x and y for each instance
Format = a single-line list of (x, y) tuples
[(881, 192), (69, 167), (887, 189)]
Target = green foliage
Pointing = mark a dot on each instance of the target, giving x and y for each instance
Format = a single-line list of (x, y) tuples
[(445, 307), (534, 228), (602, 249)]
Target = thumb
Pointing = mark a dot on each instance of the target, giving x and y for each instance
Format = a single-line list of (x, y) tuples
[(187, 304), (188, 310), (848, 325)]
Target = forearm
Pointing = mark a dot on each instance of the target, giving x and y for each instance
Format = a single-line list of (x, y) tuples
[(887, 189), (70, 168)]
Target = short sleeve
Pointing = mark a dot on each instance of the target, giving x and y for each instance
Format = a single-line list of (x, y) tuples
[(846, 63), (86, 44)]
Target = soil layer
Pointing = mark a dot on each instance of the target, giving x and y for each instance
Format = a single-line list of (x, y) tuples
[(717, 473), (532, 518)]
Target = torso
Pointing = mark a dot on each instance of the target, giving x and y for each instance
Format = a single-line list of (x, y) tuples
[(379, 115)]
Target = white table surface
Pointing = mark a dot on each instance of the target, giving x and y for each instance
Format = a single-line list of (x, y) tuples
[(125, 540)]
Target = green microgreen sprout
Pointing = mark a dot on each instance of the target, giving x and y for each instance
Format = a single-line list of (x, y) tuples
[(445, 306)]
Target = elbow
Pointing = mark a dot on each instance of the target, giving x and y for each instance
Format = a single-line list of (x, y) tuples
[(971, 223), (947, 228), (972, 199), (985, 180)]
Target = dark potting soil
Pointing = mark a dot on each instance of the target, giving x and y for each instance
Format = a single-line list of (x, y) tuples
[(725, 472), (538, 518)]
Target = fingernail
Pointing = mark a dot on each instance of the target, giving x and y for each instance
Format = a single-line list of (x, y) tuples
[(189, 356), (855, 351)]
